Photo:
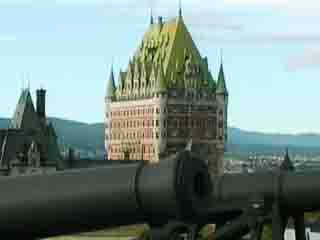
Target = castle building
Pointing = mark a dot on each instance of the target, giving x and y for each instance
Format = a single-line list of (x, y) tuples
[(29, 145), (165, 99)]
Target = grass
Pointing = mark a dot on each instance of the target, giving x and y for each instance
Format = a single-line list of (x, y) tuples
[(119, 233)]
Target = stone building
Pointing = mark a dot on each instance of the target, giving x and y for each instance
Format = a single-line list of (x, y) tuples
[(165, 99), (29, 145)]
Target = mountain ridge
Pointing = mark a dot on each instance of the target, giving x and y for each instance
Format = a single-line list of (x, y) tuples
[(90, 136)]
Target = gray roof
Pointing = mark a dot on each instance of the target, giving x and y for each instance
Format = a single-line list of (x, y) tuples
[(27, 128), (15, 141), (25, 116)]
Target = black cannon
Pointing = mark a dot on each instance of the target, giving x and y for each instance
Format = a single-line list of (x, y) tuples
[(244, 203), (256, 199), (68, 202)]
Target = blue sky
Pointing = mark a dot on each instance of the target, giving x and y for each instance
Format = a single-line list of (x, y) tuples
[(271, 54)]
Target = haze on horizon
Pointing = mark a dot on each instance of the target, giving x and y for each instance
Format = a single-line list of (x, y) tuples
[(271, 54)]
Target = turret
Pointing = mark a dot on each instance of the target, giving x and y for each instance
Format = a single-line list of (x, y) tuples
[(222, 97), (160, 21), (180, 11), (111, 86), (221, 85), (120, 87), (287, 165), (151, 17)]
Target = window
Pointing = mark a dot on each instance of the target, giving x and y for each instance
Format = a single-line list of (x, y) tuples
[(157, 135), (157, 123)]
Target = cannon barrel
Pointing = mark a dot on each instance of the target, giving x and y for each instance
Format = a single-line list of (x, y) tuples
[(297, 191), (67, 202)]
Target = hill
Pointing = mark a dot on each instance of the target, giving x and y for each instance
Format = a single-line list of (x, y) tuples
[(91, 137), (238, 136), (76, 134)]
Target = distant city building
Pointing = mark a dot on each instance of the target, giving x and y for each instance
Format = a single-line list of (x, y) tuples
[(29, 145), (165, 99)]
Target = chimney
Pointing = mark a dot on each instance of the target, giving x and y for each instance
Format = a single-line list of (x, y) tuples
[(41, 103)]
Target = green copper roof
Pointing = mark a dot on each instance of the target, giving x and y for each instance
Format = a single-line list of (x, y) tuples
[(111, 85), (168, 45), (212, 82), (221, 85), (161, 80)]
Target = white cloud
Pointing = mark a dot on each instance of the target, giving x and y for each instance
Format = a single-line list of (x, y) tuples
[(309, 59), (300, 7)]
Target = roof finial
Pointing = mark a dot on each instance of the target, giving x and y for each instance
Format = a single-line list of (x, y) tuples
[(287, 151), (25, 86), (221, 56), (151, 16), (28, 76), (180, 9), (112, 61)]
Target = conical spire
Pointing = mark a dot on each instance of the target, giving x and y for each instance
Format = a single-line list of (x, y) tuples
[(151, 17), (180, 9), (120, 80), (221, 85), (111, 85), (287, 165)]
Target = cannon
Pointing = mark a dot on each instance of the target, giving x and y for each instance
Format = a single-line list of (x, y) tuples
[(244, 203), (251, 200), (41, 206)]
